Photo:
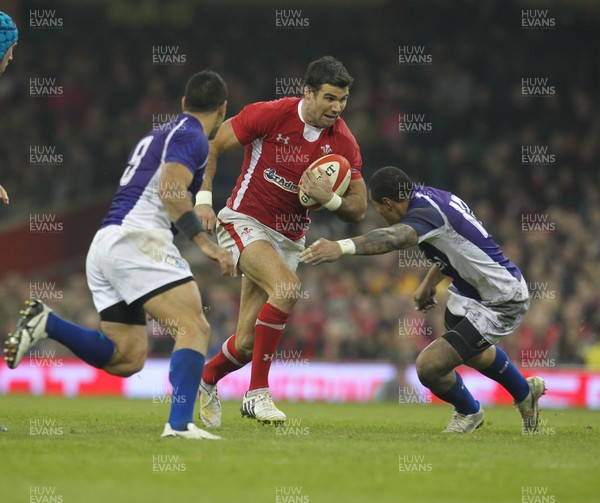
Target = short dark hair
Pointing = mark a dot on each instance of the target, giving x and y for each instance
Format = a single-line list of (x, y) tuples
[(392, 183), (327, 70), (205, 92)]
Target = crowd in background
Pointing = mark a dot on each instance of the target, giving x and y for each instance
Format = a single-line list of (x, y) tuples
[(468, 93)]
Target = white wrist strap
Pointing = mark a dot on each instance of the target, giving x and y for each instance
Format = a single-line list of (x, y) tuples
[(334, 203), (347, 245), (204, 197)]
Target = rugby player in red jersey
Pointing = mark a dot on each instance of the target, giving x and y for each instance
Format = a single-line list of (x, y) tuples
[(264, 224)]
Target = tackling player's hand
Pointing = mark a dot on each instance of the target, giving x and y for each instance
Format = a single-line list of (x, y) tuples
[(216, 253), (423, 298), (207, 216), (318, 188), (3, 195), (322, 250)]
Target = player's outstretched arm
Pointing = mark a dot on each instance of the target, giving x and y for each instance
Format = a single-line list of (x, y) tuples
[(224, 141), (173, 193), (376, 242), (3, 195)]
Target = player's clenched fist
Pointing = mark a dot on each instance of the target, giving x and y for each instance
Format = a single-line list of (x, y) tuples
[(322, 250)]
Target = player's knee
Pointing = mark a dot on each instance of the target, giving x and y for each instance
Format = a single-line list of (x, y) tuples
[(202, 325), (191, 324), (193, 329), (132, 363), (287, 291), (129, 370), (427, 370)]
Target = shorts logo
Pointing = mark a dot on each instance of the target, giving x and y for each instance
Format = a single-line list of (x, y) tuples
[(175, 261), (271, 176), (439, 263), (246, 233)]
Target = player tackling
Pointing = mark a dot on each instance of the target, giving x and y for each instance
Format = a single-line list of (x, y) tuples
[(264, 224), (488, 295), (134, 268)]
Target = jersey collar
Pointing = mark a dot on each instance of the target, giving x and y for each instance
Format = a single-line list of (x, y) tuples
[(310, 133)]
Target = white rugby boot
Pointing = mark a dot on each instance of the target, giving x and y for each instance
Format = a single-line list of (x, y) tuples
[(210, 407), (258, 404), (461, 423), (192, 432), (528, 408), (30, 329)]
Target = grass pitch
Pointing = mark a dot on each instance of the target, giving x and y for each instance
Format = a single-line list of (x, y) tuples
[(89, 450)]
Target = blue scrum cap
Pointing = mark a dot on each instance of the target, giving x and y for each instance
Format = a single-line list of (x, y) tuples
[(8, 34)]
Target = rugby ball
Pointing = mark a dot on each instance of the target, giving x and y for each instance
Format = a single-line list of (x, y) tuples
[(337, 168)]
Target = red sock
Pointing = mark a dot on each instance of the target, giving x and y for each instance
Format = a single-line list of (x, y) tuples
[(267, 334), (225, 361)]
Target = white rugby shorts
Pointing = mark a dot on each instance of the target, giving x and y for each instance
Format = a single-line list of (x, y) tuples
[(236, 230), (126, 264), (493, 320)]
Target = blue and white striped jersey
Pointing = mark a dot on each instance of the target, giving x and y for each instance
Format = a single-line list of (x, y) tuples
[(137, 204), (451, 237)]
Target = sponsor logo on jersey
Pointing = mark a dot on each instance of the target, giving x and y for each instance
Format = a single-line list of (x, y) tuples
[(281, 138), (271, 176)]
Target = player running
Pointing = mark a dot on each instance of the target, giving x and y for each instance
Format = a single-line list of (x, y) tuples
[(133, 266), (9, 36), (488, 295), (264, 223)]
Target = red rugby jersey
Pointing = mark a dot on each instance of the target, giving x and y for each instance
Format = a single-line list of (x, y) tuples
[(279, 148)]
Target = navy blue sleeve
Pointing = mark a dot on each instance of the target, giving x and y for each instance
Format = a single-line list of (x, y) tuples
[(188, 148), (423, 220)]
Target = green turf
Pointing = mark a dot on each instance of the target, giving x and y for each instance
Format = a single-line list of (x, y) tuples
[(104, 450)]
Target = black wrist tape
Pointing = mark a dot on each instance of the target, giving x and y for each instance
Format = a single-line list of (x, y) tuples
[(189, 224)]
